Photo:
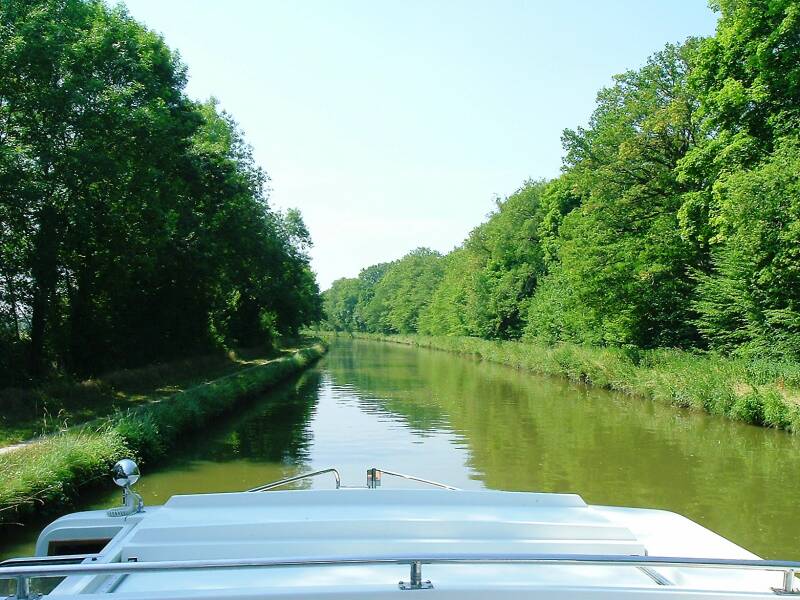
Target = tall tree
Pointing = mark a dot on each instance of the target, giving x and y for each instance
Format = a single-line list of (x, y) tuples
[(750, 302), (621, 252), (747, 77), (134, 223), (488, 280), (404, 291)]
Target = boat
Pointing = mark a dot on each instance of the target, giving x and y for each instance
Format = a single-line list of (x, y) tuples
[(383, 541)]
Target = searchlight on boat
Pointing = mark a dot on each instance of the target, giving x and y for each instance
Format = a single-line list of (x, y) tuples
[(125, 474)]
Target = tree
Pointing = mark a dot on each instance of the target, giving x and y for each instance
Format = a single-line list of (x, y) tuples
[(404, 291), (674, 223), (448, 312), (488, 280), (134, 223), (339, 304), (750, 302), (747, 77), (77, 78), (621, 252)]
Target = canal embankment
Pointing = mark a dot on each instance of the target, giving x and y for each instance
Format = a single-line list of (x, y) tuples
[(49, 471), (758, 392)]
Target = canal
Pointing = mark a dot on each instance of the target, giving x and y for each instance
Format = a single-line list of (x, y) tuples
[(478, 425)]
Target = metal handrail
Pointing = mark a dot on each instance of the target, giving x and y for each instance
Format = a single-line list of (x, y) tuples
[(788, 568), (23, 591), (419, 479), (47, 560), (274, 484)]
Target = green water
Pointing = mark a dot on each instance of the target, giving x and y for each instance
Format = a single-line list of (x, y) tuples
[(477, 425)]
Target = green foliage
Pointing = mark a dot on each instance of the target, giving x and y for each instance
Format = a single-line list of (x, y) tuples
[(134, 224), (757, 392), (488, 279), (750, 302), (388, 297), (339, 303), (50, 470), (749, 79), (556, 313), (749, 74), (674, 223), (403, 292), (452, 309), (621, 254)]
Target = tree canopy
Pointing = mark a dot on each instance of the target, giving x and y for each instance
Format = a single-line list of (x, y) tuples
[(134, 223), (674, 223)]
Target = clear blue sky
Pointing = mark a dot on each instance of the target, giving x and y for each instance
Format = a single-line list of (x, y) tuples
[(393, 125)]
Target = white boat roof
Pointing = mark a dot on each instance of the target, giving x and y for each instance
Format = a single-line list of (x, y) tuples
[(361, 522)]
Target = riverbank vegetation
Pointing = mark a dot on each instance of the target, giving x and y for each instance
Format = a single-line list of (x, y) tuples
[(59, 404), (762, 392), (667, 249), (550, 435), (134, 223), (49, 471)]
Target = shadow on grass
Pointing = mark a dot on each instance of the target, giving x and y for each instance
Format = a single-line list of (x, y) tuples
[(62, 403)]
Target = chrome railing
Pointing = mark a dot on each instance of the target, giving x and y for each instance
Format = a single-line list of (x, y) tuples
[(17, 569), (23, 591), (27, 561), (374, 479), (288, 480)]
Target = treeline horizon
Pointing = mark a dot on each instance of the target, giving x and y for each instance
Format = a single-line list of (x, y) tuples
[(675, 221), (134, 223)]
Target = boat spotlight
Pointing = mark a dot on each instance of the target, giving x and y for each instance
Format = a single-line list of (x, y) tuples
[(125, 473)]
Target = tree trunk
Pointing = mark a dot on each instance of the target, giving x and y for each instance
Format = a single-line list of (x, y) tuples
[(45, 273), (12, 299)]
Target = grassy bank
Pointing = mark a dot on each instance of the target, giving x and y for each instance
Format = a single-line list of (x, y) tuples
[(63, 402), (758, 392), (49, 471)]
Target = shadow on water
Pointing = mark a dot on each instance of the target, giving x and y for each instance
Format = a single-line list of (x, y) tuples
[(477, 425)]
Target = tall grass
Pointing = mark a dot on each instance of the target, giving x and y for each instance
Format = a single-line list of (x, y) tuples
[(50, 471), (760, 392)]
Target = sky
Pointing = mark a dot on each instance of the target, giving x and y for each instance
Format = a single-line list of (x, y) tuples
[(394, 125)]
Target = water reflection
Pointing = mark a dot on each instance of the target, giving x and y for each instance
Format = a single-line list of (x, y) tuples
[(477, 425), (532, 433), (266, 439), (274, 430)]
